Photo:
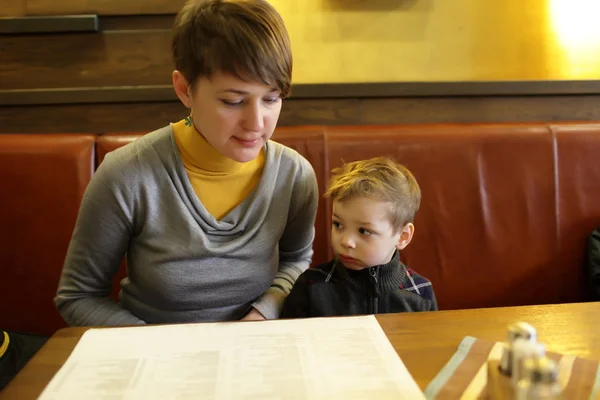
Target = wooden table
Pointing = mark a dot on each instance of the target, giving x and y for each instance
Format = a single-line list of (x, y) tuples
[(424, 341)]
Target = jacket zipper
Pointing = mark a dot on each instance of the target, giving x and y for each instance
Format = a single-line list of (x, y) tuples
[(375, 291)]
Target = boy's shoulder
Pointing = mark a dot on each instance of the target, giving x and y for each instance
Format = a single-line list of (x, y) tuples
[(417, 283), (413, 281), (318, 273)]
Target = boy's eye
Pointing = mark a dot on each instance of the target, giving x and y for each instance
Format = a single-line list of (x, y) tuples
[(336, 224), (364, 231)]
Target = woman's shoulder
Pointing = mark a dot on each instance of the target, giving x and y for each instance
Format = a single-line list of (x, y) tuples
[(145, 143), (288, 157), (143, 154)]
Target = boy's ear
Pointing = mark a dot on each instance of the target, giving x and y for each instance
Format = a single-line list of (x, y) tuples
[(406, 235), (181, 86)]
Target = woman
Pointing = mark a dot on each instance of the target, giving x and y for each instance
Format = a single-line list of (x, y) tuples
[(216, 220)]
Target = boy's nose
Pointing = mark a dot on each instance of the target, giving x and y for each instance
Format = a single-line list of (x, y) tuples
[(348, 242)]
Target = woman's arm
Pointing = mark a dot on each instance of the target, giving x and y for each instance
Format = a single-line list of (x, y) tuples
[(101, 237), (296, 243)]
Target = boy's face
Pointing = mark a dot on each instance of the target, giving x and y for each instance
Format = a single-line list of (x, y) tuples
[(236, 117), (362, 235)]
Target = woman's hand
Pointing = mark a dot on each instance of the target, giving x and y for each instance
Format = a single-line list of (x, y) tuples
[(254, 315)]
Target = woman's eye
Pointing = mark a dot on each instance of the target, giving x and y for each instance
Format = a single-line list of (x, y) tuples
[(231, 103), (271, 100)]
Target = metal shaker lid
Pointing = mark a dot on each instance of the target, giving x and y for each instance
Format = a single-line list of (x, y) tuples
[(523, 330)]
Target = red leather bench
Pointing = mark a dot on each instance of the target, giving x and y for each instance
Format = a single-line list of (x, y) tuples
[(505, 211), (42, 180)]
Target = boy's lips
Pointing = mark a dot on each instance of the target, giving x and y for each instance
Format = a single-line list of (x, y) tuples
[(348, 259)]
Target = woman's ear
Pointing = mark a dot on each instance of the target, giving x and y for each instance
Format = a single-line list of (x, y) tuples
[(182, 89), (406, 235)]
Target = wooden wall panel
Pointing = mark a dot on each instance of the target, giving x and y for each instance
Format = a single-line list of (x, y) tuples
[(416, 110), (100, 7), (90, 118), (111, 58), (13, 8), (135, 117), (123, 75)]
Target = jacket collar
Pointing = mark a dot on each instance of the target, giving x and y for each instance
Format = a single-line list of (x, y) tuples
[(389, 276)]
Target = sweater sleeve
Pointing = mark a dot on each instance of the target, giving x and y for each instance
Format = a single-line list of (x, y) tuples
[(296, 242), (100, 239)]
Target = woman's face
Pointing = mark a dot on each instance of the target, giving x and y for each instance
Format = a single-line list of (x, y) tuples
[(236, 117)]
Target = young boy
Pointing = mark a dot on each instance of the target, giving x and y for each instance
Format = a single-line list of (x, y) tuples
[(374, 204)]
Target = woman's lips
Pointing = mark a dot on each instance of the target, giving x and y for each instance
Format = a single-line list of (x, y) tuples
[(247, 143)]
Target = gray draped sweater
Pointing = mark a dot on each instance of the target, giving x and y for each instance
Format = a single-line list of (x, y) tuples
[(184, 265)]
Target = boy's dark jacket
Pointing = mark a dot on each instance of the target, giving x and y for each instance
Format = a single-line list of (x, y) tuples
[(592, 260), (331, 289)]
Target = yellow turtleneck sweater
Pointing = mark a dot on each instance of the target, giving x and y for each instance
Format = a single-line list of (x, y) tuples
[(220, 183)]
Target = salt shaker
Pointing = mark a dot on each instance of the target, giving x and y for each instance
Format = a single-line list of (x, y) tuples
[(515, 331), (540, 380), (521, 350)]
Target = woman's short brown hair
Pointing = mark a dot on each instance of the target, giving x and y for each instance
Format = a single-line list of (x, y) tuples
[(246, 38)]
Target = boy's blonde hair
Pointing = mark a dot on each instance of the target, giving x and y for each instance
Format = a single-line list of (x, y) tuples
[(245, 38), (382, 179)]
